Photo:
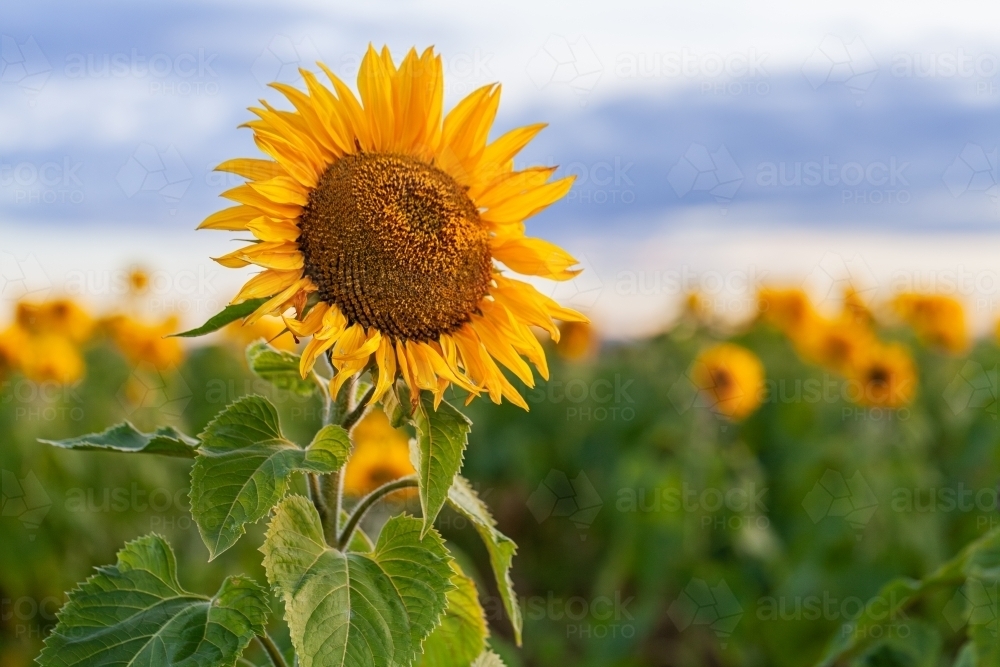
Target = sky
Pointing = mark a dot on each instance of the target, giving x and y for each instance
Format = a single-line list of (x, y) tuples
[(717, 145)]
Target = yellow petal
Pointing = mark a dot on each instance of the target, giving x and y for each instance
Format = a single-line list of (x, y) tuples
[(374, 86), (498, 155), (279, 300), (244, 194), (314, 348), (524, 206), (289, 157), (235, 218), (501, 349), (351, 112), (266, 283), (536, 257), (269, 229), (307, 109), (282, 190), (386, 360), (309, 324), (512, 185), (254, 169)]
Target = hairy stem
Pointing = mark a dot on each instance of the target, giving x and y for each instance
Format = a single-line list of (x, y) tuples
[(330, 486), (316, 495), (355, 415), (366, 504), (272, 651)]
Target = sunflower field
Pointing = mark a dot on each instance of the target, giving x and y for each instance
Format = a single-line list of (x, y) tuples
[(805, 488)]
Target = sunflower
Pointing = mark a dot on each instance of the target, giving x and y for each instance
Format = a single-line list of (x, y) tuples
[(579, 341), (140, 341), (938, 320), (379, 223), (381, 454), (58, 317), (788, 309), (271, 329), (730, 379), (839, 345), (885, 378), (49, 357)]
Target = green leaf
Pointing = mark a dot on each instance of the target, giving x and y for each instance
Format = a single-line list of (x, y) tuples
[(136, 613), (488, 659), (244, 467), (501, 549), (219, 320), (461, 635), (166, 441), (441, 438), (280, 368), (979, 558), (350, 609)]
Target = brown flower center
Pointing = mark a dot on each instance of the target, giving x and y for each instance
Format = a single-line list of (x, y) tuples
[(397, 244)]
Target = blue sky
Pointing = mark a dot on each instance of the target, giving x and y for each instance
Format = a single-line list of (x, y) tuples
[(705, 136)]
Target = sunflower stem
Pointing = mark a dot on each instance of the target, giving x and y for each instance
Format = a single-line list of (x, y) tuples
[(366, 504), (272, 650), (355, 415), (318, 501)]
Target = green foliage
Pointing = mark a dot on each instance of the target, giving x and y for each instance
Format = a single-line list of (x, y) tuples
[(228, 315), (463, 498), (136, 613), (244, 466), (355, 609), (442, 435), (280, 368), (166, 441), (461, 636)]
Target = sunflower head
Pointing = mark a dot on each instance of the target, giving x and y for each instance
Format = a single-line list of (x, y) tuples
[(58, 317), (938, 320), (790, 310), (385, 230), (839, 345), (144, 342), (50, 357), (730, 379), (381, 454), (885, 378)]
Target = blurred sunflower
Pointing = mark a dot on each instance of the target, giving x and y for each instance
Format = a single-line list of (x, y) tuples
[(138, 281), (578, 341), (59, 317), (839, 345), (938, 320), (381, 454), (49, 357), (730, 378), (271, 329), (856, 308), (379, 222), (788, 309), (139, 341), (885, 377)]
